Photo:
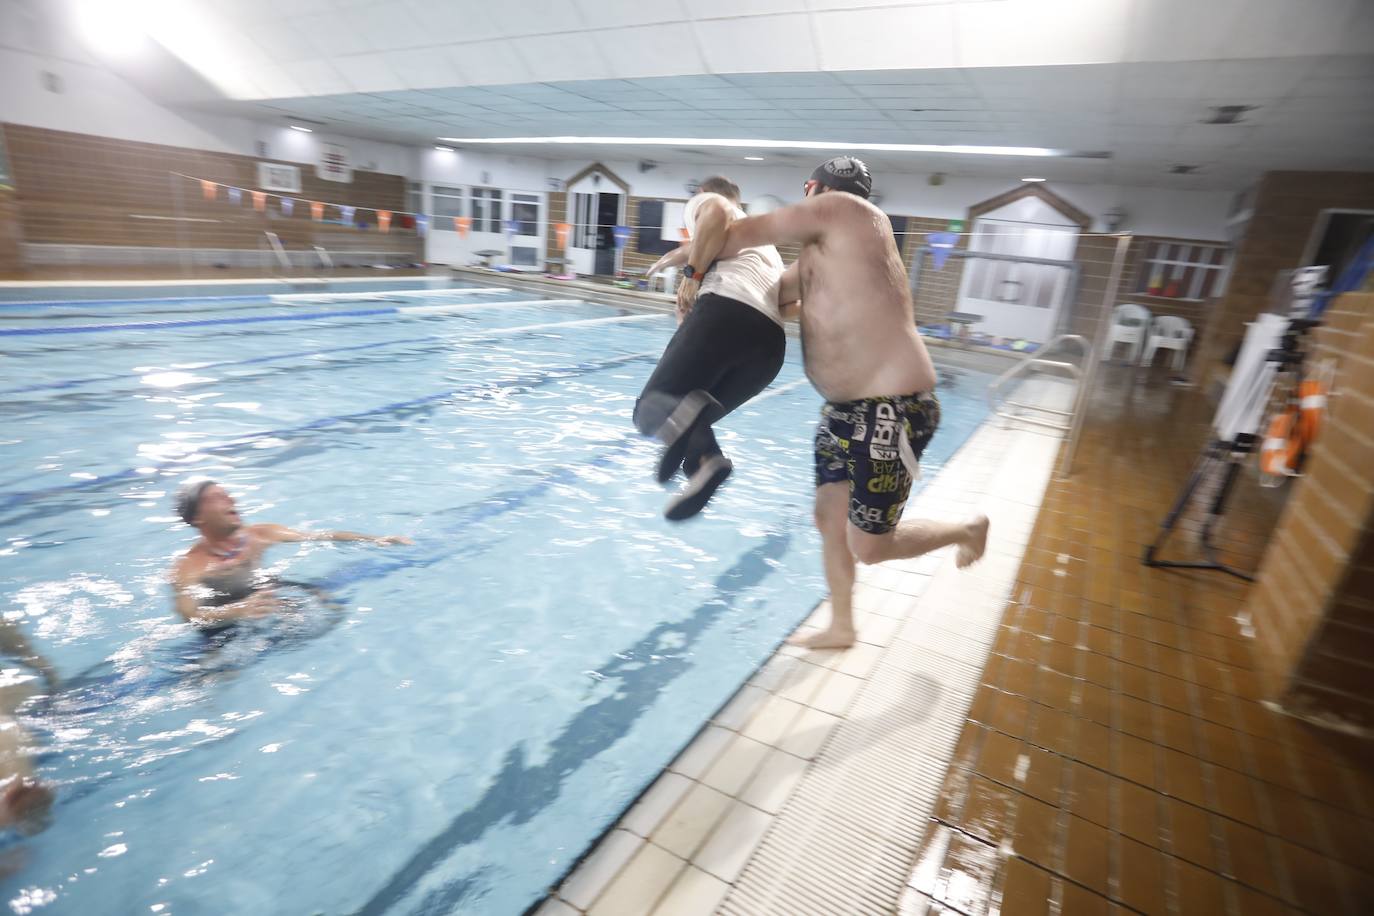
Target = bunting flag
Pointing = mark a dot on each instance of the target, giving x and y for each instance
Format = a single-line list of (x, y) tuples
[(560, 232), (421, 224), (259, 201), (621, 234), (287, 206), (208, 188), (235, 195), (941, 244), (384, 220), (347, 214), (463, 224), (510, 227), (316, 210)]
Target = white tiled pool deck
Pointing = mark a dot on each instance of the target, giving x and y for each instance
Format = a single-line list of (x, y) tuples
[(809, 791)]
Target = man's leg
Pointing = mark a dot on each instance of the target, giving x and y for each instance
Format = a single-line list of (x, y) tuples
[(919, 536), (832, 507)]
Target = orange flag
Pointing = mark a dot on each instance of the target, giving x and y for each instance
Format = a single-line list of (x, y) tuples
[(259, 200), (560, 232), (208, 188), (316, 210), (686, 236), (463, 224), (384, 220)]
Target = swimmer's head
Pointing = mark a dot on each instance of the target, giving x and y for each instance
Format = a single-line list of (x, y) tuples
[(26, 806), (719, 184), (843, 173), (206, 505)]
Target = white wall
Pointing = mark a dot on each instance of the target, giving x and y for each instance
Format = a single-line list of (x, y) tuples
[(468, 169), (1149, 211)]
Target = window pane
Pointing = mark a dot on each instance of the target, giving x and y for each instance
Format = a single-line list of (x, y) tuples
[(527, 216), (448, 202)]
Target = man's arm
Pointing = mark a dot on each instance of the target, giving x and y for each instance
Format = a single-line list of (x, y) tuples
[(712, 221), (280, 534), (189, 606), (789, 293), (800, 224), (675, 258)]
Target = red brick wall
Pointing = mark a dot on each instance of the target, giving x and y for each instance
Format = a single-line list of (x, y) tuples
[(1313, 606)]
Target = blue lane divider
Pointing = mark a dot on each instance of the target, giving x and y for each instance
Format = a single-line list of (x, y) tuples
[(13, 500), (159, 300), (72, 383), (198, 323)]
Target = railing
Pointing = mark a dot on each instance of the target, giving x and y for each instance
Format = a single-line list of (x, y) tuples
[(274, 243), (1039, 363), (325, 260)]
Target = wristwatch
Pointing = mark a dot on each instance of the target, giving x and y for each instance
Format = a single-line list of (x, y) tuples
[(690, 272)]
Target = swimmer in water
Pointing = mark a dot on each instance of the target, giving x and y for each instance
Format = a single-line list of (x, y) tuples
[(24, 801), (218, 581)]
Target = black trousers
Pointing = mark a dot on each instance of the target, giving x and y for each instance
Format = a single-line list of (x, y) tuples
[(726, 348)]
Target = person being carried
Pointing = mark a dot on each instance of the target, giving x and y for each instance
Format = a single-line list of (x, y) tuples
[(728, 347), (864, 355), (218, 581), (25, 802)]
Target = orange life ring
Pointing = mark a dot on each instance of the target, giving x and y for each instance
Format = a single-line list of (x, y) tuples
[(1282, 445), (1311, 409)]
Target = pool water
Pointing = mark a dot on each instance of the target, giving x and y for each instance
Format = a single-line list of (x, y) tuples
[(469, 713)]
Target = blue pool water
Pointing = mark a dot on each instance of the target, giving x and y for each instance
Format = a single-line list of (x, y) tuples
[(479, 707)]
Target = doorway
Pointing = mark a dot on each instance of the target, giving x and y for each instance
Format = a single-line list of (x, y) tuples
[(607, 218)]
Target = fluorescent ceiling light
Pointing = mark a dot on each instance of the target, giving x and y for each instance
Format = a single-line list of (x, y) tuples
[(754, 158), (114, 28), (304, 130), (444, 149), (1032, 179), (828, 145)]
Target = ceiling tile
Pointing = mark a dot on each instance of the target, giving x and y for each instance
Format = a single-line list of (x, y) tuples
[(368, 72), (708, 9), (534, 17), (912, 37), (487, 63), (604, 14), (1034, 32), (760, 44), (649, 51)]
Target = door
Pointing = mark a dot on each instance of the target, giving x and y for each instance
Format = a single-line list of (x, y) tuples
[(608, 213), (1017, 300)]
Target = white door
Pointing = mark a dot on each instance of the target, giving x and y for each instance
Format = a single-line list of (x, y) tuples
[(1018, 300), (582, 245), (527, 242)]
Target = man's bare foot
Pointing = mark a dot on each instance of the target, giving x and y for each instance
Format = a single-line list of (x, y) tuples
[(971, 551), (823, 639)]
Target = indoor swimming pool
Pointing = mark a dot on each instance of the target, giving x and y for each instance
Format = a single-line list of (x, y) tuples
[(466, 715)]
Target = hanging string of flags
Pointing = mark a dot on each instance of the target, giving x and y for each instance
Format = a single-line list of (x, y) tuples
[(286, 205)]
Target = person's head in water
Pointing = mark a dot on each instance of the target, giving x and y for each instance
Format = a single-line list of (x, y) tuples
[(26, 806), (207, 506), (843, 173), (719, 184)]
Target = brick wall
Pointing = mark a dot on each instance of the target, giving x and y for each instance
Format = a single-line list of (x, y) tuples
[(85, 190), (1287, 205), (1313, 605), (11, 256)]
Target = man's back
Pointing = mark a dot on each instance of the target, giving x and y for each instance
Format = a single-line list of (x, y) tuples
[(858, 330)]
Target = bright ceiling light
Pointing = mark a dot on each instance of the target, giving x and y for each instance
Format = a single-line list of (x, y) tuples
[(827, 145), (113, 28), (1032, 179), (753, 158), (304, 130), (444, 149)]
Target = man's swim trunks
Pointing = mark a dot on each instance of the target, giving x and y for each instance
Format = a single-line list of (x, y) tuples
[(874, 445)]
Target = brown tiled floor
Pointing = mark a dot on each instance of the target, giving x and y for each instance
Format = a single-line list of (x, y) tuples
[(1116, 757)]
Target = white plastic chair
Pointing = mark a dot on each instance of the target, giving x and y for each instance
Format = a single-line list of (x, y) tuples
[(1130, 322), (1169, 332)]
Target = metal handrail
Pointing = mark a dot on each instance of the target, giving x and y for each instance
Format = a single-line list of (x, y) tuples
[(325, 260), (275, 244), (1029, 364)]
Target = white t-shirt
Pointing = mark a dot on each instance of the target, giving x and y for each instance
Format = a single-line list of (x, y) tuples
[(753, 276)]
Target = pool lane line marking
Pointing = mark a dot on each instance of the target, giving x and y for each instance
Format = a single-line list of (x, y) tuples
[(287, 298), (197, 367), (259, 319), (17, 498)]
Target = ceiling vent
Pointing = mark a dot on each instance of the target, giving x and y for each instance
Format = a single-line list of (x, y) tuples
[(1228, 114)]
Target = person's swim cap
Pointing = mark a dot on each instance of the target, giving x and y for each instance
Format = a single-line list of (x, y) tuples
[(187, 499), (845, 173)]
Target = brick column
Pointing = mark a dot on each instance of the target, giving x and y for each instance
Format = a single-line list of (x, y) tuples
[(1313, 606)]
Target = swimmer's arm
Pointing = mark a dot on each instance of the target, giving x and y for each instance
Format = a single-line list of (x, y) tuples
[(713, 221), (258, 604), (280, 534), (13, 643), (675, 258), (800, 224)]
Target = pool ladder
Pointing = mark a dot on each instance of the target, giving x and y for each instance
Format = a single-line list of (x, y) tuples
[(1064, 421), (274, 243)]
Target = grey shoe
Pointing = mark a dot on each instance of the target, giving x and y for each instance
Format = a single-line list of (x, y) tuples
[(701, 486), (695, 408)]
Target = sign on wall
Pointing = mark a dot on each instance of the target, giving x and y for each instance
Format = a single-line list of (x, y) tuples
[(334, 164), (275, 177)]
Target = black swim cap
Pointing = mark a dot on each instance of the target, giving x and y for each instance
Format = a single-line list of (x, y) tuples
[(845, 173), (187, 499)]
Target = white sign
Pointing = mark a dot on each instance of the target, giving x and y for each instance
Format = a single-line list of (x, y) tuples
[(334, 164), (673, 221), (275, 177)]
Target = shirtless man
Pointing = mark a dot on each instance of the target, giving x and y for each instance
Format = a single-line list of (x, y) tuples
[(218, 581), (864, 355)]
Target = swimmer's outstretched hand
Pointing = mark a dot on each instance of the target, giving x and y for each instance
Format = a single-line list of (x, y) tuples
[(391, 540)]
